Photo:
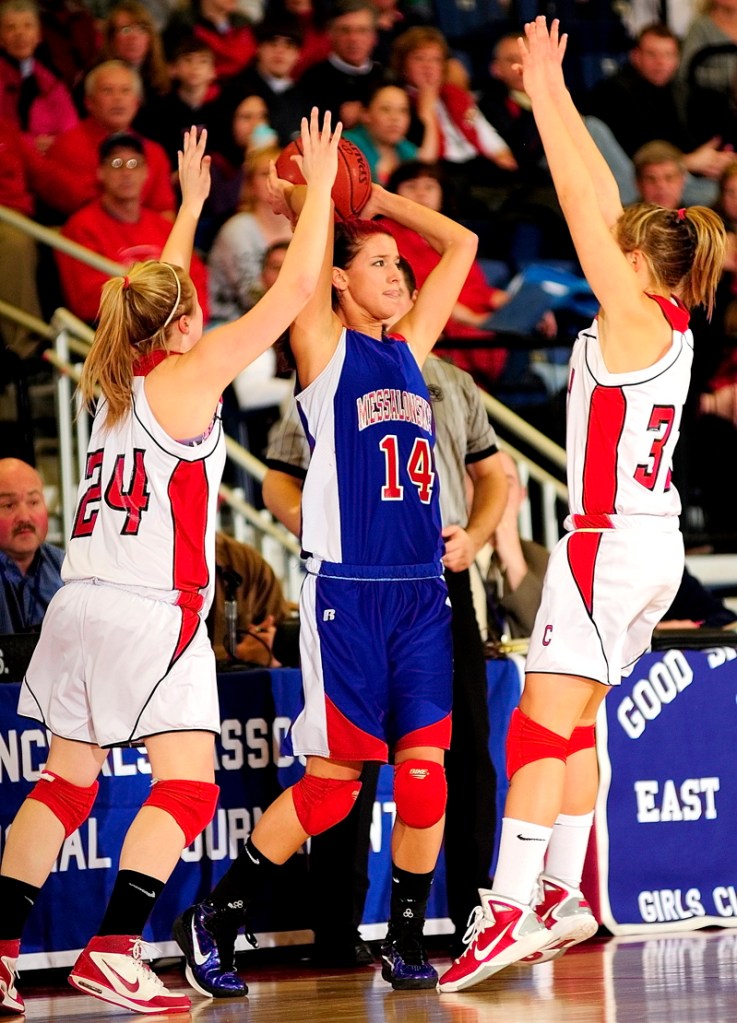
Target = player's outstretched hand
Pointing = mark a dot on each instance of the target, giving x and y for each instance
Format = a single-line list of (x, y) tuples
[(319, 162), (194, 170), (541, 57)]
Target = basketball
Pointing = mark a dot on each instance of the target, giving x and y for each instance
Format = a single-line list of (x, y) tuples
[(352, 186)]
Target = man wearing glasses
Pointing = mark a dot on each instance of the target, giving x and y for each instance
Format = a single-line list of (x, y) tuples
[(117, 225)]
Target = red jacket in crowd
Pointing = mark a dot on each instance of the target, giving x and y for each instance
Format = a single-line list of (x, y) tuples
[(124, 243)]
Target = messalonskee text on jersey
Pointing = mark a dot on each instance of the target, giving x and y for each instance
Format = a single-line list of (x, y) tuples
[(390, 404)]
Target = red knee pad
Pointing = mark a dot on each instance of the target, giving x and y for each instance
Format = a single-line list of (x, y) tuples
[(583, 737), (191, 803), (420, 792), (322, 802), (527, 741), (70, 803)]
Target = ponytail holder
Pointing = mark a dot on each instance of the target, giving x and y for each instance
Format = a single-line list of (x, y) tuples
[(126, 283), (681, 213)]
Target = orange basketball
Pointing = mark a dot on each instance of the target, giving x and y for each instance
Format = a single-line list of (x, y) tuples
[(352, 186)]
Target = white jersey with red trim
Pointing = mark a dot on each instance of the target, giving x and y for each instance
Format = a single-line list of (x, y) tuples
[(146, 506), (622, 430)]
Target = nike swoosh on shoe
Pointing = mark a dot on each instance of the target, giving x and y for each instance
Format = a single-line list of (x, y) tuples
[(482, 954), (199, 958), (131, 988)]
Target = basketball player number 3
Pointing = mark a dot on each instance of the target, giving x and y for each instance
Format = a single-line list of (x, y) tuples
[(662, 418), (419, 469), (132, 500)]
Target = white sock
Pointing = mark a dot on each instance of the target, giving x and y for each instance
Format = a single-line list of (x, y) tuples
[(521, 856), (567, 848)]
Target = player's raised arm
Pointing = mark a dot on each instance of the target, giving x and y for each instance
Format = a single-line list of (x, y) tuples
[(194, 180), (574, 165), (625, 255), (223, 352), (457, 246), (315, 331), (607, 191)]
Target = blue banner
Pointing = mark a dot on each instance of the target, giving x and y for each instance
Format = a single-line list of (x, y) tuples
[(665, 821)]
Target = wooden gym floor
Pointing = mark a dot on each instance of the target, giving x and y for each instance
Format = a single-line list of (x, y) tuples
[(689, 977)]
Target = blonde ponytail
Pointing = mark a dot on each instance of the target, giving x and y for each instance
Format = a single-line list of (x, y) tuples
[(134, 318), (700, 285), (685, 248)]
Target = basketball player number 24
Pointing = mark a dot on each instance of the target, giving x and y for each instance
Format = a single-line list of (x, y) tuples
[(419, 469), (132, 500)]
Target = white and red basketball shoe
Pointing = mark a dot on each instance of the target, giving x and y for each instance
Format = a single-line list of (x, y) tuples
[(11, 1003), (500, 932), (112, 968), (567, 916)]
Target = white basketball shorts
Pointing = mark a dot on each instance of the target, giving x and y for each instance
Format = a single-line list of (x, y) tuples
[(604, 593), (113, 666)]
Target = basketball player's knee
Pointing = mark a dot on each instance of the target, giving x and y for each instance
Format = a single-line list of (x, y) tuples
[(528, 741), (420, 792), (71, 804), (583, 737), (192, 804), (322, 802)]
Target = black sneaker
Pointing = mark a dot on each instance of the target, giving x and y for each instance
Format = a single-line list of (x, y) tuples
[(404, 959)]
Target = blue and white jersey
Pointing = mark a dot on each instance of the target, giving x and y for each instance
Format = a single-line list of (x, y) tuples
[(371, 495)]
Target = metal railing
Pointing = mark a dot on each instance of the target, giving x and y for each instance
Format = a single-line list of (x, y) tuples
[(51, 237), (553, 493)]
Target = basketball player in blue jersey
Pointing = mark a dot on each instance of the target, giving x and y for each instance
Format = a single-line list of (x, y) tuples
[(614, 574), (124, 657), (375, 618), (465, 449)]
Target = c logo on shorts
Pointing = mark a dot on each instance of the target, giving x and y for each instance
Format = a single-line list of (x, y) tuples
[(548, 635)]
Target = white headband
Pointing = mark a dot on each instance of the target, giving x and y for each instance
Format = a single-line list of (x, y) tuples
[(170, 317)]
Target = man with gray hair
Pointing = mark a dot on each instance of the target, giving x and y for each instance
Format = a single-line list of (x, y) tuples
[(66, 179)]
